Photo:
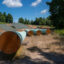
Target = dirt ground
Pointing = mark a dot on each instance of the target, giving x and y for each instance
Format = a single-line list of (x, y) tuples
[(43, 49)]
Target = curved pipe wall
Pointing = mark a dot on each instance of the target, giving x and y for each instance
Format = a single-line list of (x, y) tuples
[(29, 32), (43, 31), (36, 31), (10, 42), (22, 35)]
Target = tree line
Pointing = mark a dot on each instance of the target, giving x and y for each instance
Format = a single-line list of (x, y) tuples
[(56, 18), (37, 21), (7, 18)]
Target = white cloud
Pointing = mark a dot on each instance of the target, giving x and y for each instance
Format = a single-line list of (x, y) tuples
[(36, 3), (13, 3), (44, 11)]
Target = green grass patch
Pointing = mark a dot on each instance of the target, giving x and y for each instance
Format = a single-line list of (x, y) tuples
[(60, 32), (2, 23)]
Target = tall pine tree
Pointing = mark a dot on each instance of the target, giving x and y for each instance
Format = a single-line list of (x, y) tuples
[(57, 13), (9, 18)]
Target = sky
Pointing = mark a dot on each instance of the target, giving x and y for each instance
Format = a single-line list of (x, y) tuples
[(29, 9)]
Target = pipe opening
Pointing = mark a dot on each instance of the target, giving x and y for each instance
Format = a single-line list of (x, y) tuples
[(38, 32), (30, 33), (9, 44)]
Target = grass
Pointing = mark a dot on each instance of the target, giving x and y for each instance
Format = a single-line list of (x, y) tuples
[(60, 32), (2, 23)]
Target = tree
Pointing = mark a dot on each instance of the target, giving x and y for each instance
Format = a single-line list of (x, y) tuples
[(0, 13), (27, 21), (2, 17), (6, 18), (21, 20), (9, 18), (4, 14), (57, 13), (32, 22), (48, 21), (36, 22), (40, 21)]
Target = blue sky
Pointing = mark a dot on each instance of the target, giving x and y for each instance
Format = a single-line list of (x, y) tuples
[(29, 9)]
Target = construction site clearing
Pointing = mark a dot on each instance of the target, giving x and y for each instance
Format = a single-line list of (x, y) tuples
[(38, 49)]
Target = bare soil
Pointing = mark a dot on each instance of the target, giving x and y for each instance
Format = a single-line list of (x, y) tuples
[(43, 49)]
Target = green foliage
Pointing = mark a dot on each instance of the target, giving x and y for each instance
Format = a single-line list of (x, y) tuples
[(0, 13), (60, 32), (6, 18), (2, 18), (9, 18), (4, 14), (57, 13), (2, 23), (42, 21), (48, 21), (26, 21), (38, 21), (32, 22), (21, 20)]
